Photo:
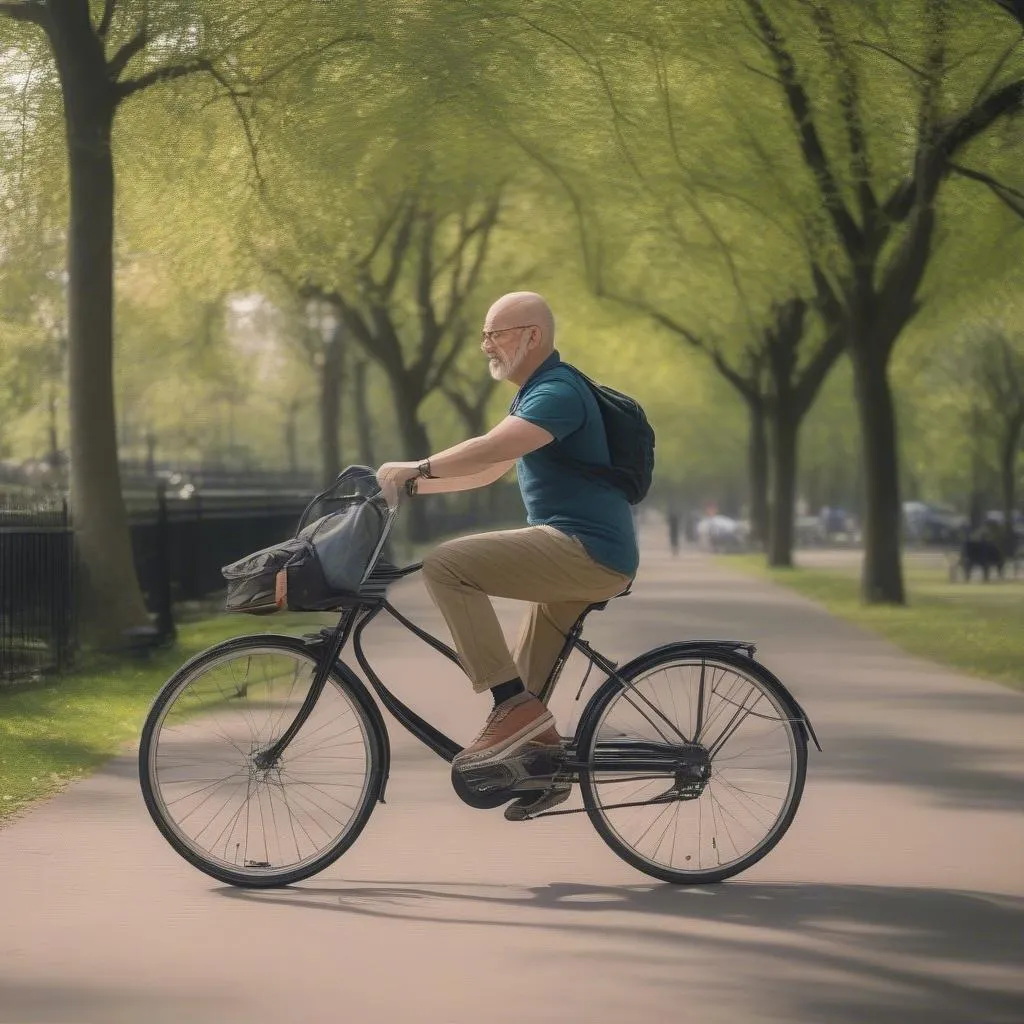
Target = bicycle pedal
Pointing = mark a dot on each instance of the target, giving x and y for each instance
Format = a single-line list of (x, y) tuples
[(529, 769)]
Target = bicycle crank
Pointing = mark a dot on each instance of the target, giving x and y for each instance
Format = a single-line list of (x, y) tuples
[(490, 785)]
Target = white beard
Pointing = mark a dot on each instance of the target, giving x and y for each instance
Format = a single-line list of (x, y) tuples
[(500, 370)]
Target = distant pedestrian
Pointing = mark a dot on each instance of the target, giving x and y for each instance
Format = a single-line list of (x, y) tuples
[(673, 531)]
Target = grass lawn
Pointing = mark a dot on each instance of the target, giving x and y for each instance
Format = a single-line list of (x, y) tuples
[(53, 731), (976, 627)]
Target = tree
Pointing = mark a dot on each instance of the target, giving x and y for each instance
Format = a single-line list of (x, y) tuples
[(885, 229), (438, 255), (999, 379), (103, 59), (322, 337), (797, 371)]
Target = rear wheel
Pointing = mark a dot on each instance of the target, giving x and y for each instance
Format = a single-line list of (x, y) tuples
[(707, 755), (215, 804)]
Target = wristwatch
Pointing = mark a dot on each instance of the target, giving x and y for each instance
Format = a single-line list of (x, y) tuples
[(423, 470)]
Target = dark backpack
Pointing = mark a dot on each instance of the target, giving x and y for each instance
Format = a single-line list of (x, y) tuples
[(630, 443)]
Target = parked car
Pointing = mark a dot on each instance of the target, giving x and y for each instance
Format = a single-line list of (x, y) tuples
[(932, 524), (722, 533)]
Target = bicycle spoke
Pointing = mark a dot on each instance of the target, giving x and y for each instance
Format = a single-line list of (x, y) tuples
[(226, 806), (693, 824)]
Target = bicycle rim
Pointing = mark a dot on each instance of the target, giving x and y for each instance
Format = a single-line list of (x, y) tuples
[(757, 766), (223, 812)]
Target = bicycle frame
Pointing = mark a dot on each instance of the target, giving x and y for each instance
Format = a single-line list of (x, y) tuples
[(330, 642), (361, 609), (353, 620)]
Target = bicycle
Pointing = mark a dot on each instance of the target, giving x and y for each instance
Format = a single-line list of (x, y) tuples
[(201, 742)]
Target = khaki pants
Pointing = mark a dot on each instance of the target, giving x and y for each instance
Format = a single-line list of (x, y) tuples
[(538, 564)]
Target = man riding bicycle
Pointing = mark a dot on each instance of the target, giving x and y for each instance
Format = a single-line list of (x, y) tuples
[(579, 547)]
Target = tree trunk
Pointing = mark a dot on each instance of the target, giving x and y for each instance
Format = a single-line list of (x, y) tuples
[(364, 425), (416, 446), (331, 374), (976, 503), (291, 438), (882, 573), (757, 471), (1008, 481), (113, 601), (53, 440), (785, 426)]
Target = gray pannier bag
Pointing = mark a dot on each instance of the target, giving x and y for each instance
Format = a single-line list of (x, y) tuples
[(326, 561)]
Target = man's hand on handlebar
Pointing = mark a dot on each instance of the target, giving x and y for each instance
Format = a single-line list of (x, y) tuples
[(395, 477)]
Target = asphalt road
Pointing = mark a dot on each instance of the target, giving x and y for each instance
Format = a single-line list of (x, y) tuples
[(897, 897)]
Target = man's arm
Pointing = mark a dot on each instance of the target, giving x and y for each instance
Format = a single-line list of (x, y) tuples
[(464, 483), (512, 438)]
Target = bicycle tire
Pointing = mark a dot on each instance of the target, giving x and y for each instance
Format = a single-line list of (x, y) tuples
[(362, 704), (592, 720)]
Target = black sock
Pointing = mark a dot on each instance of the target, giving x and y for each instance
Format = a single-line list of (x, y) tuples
[(503, 691)]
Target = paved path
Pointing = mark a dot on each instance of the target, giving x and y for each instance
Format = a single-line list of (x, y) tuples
[(896, 898)]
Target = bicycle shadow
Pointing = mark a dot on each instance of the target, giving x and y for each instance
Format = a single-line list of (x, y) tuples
[(897, 938)]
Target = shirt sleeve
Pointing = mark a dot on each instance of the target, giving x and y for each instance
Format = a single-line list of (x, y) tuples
[(554, 405)]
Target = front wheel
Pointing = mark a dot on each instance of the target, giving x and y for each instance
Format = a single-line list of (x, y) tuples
[(694, 771), (227, 813)]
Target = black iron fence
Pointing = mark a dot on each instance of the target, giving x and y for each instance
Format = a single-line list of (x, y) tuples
[(180, 541), (37, 607)]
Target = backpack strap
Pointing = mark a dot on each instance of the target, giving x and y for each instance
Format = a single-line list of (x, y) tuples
[(569, 380)]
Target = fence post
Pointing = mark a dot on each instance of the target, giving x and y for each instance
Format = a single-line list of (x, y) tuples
[(67, 615), (162, 587)]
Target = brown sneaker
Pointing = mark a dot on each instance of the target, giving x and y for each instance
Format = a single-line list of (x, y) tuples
[(512, 725)]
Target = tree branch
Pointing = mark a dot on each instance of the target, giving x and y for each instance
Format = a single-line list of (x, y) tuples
[(892, 56), (935, 66), (774, 79), (817, 369), (1009, 196), (849, 103), (1002, 103), (349, 37), (744, 386), (165, 74), (430, 335), (898, 294), (462, 289), (781, 345), (811, 146), (107, 17), (998, 66), (119, 61), (982, 116), (199, 66), (377, 341), (400, 246), (661, 75)]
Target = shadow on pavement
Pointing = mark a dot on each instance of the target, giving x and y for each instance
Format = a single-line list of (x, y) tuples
[(63, 1003), (952, 773), (831, 953)]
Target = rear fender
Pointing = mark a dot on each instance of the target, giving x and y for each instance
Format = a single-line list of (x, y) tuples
[(726, 648)]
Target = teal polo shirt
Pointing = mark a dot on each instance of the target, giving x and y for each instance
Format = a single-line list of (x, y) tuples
[(560, 401)]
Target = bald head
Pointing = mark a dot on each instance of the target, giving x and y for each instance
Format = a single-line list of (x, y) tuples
[(517, 308), (519, 334)]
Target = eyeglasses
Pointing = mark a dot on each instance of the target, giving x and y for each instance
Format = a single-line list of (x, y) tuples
[(489, 336)]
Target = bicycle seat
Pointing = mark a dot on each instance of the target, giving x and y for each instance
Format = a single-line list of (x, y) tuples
[(598, 605)]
